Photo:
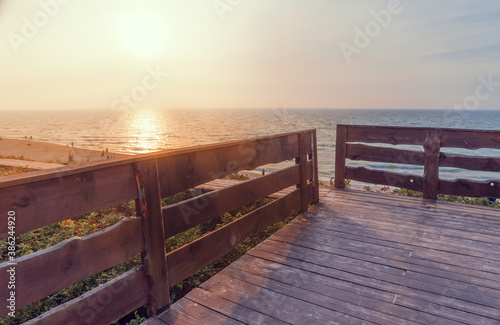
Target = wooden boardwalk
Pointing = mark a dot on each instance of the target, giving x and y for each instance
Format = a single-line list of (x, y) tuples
[(218, 184), (361, 258)]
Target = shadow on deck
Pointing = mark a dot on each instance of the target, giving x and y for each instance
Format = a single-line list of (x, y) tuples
[(361, 258)]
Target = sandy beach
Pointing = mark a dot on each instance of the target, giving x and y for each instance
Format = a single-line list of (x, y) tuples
[(45, 155), (45, 152)]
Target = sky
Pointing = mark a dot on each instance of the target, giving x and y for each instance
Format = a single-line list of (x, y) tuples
[(114, 54)]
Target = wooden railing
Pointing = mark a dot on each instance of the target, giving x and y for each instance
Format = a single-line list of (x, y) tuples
[(42, 198), (432, 158)]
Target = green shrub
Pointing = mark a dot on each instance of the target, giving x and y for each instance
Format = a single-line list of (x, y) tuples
[(48, 236)]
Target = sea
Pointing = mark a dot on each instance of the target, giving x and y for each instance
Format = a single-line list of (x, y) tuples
[(146, 130)]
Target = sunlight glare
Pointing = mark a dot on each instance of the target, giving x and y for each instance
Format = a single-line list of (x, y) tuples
[(146, 131), (143, 33)]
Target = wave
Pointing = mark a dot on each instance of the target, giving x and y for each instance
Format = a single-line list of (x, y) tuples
[(412, 167)]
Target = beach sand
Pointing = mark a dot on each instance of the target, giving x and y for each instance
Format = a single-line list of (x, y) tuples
[(29, 150)]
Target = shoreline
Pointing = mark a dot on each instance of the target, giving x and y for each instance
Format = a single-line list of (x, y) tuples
[(27, 150)]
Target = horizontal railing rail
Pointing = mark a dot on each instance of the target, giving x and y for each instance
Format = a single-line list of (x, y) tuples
[(349, 145), (43, 198)]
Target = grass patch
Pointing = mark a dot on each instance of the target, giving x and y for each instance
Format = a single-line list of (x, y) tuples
[(51, 235), (441, 197), (10, 170)]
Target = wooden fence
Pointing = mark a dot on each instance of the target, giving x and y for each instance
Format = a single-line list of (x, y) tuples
[(43, 198), (431, 158)]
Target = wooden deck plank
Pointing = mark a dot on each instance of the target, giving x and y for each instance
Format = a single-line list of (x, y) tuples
[(387, 256), (362, 258), (362, 296), (308, 255), (426, 293), (218, 184), (438, 207), (279, 305), (430, 252), (359, 243), (440, 212), (424, 235), (199, 312), (321, 296)]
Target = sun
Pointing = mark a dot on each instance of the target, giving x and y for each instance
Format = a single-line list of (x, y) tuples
[(143, 33)]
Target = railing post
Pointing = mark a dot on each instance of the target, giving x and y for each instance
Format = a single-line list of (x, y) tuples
[(314, 159), (302, 162), (340, 153), (154, 259), (432, 148)]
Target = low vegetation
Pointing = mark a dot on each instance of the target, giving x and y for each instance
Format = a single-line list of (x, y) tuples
[(7, 170), (48, 236), (84, 225)]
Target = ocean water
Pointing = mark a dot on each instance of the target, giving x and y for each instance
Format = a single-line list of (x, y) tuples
[(142, 130)]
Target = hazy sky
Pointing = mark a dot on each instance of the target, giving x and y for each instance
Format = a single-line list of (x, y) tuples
[(249, 53)]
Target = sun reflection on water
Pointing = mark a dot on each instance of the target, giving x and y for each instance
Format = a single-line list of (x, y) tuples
[(147, 131)]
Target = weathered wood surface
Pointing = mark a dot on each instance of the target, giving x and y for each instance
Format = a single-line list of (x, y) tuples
[(148, 206), (465, 187), (383, 154), (315, 176), (226, 195), (340, 152), (470, 139), (49, 201), (190, 169), (432, 146), (101, 306), (46, 197), (190, 258), (432, 140), (454, 138), (72, 260), (361, 258), (385, 134), (43, 198), (301, 161), (384, 178), (485, 164)]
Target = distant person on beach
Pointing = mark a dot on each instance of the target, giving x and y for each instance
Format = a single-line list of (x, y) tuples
[(263, 172), (331, 182)]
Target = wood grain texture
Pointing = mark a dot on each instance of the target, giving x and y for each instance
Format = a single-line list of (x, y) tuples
[(340, 155), (302, 162), (42, 203), (385, 134), (221, 183), (153, 257), (470, 139), (315, 176), (432, 140), (486, 164), (190, 213), (185, 171), (103, 305), (19, 179), (383, 154), (50, 270), (432, 147), (384, 178), (362, 257), (46, 197), (190, 258), (43, 198), (465, 187), (454, 138)]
